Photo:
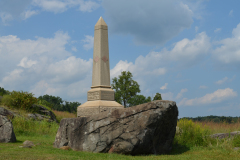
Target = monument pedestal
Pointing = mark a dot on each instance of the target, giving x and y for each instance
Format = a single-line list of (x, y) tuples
[(94, 107), (100, 98)]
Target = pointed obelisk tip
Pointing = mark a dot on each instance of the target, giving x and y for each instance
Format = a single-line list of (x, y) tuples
[(101, 22)]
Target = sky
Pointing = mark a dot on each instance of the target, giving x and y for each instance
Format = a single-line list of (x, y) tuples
[(189, 51)]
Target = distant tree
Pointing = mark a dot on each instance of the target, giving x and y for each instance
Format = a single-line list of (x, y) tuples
[(139, 99), (157, 96), (55, 101), (125, 88), (3, 91)]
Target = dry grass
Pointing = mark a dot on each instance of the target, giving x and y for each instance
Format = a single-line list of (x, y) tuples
[(60, 115), (220, 127)]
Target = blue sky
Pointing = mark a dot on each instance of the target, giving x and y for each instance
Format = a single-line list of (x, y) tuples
[(189, 51)]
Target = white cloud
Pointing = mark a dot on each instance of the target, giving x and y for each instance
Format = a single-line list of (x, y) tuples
[(215, 97), (25, 63), (164, 87), (231, 13), (222, 80), (88, 42), (5, 17), (229, 51), (217, 30), (180, 94), (88, 6), (149, 23), (27, 14), (74, 49), (58, 6), (44, 67), (14, 9), (203, 87), (185, 53)]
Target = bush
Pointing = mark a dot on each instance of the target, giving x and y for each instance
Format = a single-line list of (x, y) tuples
[(19, 100), (192, 134)]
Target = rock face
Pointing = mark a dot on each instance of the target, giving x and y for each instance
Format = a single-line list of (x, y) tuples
[(41, 111), (6, 130), (225, 135), (5, 112), (144, 129)]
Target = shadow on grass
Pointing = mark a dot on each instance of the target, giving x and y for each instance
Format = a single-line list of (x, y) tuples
[(178, 149)]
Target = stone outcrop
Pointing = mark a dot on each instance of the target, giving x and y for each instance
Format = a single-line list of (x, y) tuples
[(5, 112), (225, 135), (42, 113), (6, 130), (144, 129)]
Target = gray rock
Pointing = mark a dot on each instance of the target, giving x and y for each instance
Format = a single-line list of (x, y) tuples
[(6, 130), (28, 144), (144, 129), (225, 135), (5, 112), (42, 111)]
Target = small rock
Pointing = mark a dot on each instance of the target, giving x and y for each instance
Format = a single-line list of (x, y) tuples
[(28, 144), (65, 148), (236, 148)]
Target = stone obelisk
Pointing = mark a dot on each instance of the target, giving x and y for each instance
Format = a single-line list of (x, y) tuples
[(100, 97)]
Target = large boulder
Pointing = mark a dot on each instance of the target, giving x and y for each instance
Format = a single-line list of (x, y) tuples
[(6, 130), (144, 129)]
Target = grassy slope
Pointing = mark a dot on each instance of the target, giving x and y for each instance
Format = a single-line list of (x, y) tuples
[(45, 150)]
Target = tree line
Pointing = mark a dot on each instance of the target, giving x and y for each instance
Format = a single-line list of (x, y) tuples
[(216, 119)]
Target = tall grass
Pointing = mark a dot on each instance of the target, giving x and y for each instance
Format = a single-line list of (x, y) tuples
[(191, 134), (194, 134), (27, 127), (60, 115), (220, 127)]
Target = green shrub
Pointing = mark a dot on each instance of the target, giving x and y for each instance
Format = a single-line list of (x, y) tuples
[(30, 127), (19, 100), (192, 134), (236, 141)]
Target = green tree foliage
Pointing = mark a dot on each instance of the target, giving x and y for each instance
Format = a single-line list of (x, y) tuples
[(157, 97), (20, 100), (217, 119), (139, 99), (58, 104), (3, 91), (125, 88)]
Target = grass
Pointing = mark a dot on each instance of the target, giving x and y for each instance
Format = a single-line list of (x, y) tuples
[(60, 115), (191, 144)]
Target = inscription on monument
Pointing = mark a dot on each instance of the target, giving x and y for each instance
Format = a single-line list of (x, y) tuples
[(107, 95), (93, 95)]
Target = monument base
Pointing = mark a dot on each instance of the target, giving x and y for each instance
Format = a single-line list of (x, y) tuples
[(94, 107)]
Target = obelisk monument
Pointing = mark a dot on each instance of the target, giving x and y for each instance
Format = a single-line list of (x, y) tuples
[(100, 97)]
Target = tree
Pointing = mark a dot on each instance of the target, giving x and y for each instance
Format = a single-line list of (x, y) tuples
[(157, 97), (58, 104), (139, 99), (125, 88), (3, 91)]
